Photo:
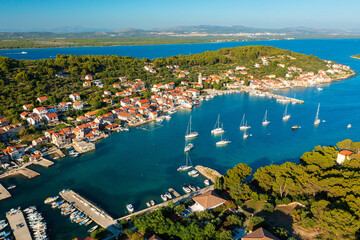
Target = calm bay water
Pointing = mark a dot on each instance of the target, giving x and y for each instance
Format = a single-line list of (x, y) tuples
[(139, 165)]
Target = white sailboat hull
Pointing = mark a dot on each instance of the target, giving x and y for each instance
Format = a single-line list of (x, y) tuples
[(191, 135), (217, 131), (244, 127), (265, 123), (222, 142), (287, 117)]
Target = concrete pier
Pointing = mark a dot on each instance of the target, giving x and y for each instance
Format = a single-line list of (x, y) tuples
[(18, 225), (28, 173), (44, 163), (98, 215), (4, 193)]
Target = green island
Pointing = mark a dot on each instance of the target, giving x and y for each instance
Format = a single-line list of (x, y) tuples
[(317, 198)]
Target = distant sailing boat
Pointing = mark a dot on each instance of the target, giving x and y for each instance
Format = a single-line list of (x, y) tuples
[(286, 115), (187, 165), (317, 120), (222, 142), (243, 124), (188, 147), (190, 134), (265, 122), (217, 129)]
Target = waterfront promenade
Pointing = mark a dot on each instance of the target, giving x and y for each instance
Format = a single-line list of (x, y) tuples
[(98, 215), (18, 225), (4, 193), (174, 200)]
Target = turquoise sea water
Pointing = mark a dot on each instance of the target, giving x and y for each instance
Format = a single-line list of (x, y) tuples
[(139, 165)]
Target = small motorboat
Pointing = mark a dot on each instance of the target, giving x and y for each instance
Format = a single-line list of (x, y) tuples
[(296, 127), (186, 189), (152, 202), (168, 195), (164, 197), (349, 125), (130, 208), (207, 182)]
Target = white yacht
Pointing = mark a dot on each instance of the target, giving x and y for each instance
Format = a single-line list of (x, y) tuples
[(23, 52), (243, 124), (349, 125), (168, 195), (188, 147), (189, 133), (130, 208), (187, 165), (286, 115), (193, 172), (217, 129), (223, 142), (94, 228), (186, 189), (164, 197), (265, 122), (317, 120), (319, 89)]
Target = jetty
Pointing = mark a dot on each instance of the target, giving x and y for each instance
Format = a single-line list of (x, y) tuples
[(4, 193), (44, 163), (57, 151), (18, 225), (208, 172), (96, 214), (28, 173), (173, 192), (174, 200)]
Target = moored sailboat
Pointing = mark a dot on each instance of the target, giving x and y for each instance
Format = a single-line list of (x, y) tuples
[(189, 133), (187, 165), (265, 122), (286, 116), (217, 129), (243, 124), (317, 120)]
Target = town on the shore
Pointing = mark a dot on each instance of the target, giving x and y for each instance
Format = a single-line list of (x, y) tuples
[(80, 137)]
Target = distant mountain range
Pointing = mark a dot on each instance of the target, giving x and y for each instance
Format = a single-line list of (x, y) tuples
[(179, 31)]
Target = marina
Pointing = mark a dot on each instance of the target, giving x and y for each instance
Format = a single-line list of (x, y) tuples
[(174, 200), (18, 224), (4, 193), (92, 211)]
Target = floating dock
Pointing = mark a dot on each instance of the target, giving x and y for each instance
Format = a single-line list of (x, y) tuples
[(98, 215), (18, 225), (174, 200), (4, 193)]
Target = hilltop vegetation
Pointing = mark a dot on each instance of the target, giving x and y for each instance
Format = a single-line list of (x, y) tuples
[(22, 81)]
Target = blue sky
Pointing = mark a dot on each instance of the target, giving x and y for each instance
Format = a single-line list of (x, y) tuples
[(27, 15)]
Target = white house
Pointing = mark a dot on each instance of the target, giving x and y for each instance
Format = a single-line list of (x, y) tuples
[(343, 155), (74, 97), (88, 77)]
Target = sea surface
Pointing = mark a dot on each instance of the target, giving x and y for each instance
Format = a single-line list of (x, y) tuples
[(139, 165)]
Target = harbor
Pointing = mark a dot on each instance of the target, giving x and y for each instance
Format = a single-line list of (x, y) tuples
[(18, 224), (174, 200), (4, 193)]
